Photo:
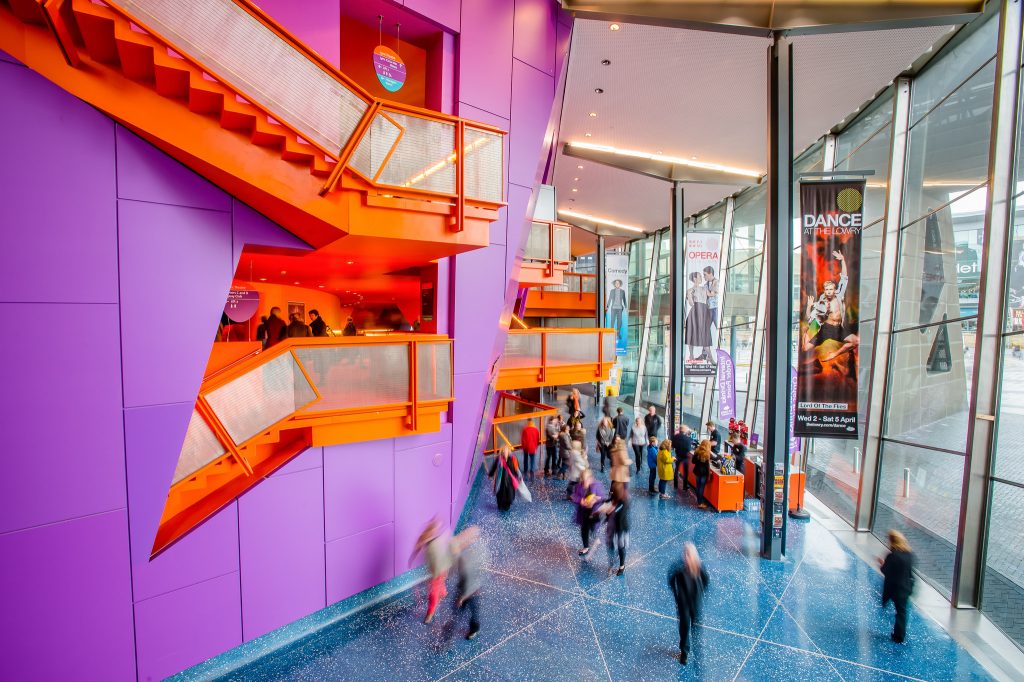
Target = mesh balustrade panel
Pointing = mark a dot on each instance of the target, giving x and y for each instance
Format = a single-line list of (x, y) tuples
[(358, 376), (425, 156), (433, 371), (261, 397), (513, 431), (200, 448), (511, 406), (521, 350), (561, 240), (572, 349), (608, 347), (248, 56), (538, 244), (482, 174), (589, 284), (375, 145)]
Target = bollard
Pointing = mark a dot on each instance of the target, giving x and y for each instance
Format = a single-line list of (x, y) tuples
[(906, 482), (856, 460)]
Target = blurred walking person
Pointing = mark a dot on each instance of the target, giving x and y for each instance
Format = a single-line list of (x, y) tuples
[(471, 557), (433, 542), (551, 431), (616, 511), (505, 472), (638, 439), (620, 462), (605, 436), (564, 451), (688, 580), (588, 497), (898, 569), (577, 463)]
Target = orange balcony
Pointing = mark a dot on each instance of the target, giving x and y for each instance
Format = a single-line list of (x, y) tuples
[(550, 357), (576, 296), (262, 408), (547, 254), (510, 418), (221, 87)]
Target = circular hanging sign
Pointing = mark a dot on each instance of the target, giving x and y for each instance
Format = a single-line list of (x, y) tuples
[(241, 304), (389, 67)]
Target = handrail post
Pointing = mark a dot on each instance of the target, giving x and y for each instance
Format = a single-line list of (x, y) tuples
[(600, 352), (350, 147), (543, 357), (551, 251), (460, 175), (413, 389), (213, 421)]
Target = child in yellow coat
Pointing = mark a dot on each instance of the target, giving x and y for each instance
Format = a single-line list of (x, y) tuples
[(665, 468)]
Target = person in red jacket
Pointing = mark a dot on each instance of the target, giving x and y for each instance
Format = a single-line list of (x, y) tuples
[(531, 443)]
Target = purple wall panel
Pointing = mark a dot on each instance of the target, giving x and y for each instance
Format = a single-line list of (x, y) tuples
[(361, 561), (424, 439), (175, 275), (56, 232), (153, 437), (442, 293), (532, 94), (535, 34), (67, 612), (443, 12), (311, 458), (178, 630), (144, 173), (251, 227), (423, 481), (469, 401), (485, 55), (359, 487), (65, 458), (317, 23), (518, 204), (480, 294), (281, 535), (4, 57)]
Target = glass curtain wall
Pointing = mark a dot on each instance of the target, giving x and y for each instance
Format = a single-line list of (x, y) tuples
[(640, 253), (659, 345), (928, 392)]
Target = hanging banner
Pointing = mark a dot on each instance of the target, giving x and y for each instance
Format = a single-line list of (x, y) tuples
[(616, 298), (794, 440), (703, 257), (831, 222), (726, 386), (389, 67)]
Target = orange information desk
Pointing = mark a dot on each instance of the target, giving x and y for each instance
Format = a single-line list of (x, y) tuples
[(725, 493), (796, 483)]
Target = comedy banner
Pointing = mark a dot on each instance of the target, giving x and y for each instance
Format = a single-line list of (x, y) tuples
[(831, 219), (616, 302), (702, 287)]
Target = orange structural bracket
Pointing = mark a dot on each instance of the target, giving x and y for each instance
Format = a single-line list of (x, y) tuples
[(55, 12)]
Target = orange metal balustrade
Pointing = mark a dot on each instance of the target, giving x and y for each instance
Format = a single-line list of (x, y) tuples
[(575, 297), (510, 417), (552, 357), (547, 254), (220, 86), (261, 409)]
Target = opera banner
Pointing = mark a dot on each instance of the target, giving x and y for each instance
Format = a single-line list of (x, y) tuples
[(726, 386), (616, 298), (831, 219), (702, 287)]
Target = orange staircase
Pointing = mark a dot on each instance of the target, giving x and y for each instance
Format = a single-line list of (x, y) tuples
[(555, 357), (251, 108), (257, 411)]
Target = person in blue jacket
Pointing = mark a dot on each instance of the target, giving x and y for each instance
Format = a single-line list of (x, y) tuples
[(652, 463)]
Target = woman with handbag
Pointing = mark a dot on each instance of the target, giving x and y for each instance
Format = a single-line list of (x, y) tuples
[(605, 438), (505, 472)]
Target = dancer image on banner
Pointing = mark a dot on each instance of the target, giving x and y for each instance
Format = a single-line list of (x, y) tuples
[(616, 306), (711, 284), (697, 329), (827, 321)]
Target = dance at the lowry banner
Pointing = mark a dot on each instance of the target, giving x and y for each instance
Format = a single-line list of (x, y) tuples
[(702, 285), (831, 223)]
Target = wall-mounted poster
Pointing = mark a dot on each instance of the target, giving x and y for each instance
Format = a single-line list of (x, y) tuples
[(296, 308), (616, 298), (702, 287), (831, 221)]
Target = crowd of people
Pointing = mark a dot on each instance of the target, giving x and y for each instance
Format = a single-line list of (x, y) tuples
[(669, 460)]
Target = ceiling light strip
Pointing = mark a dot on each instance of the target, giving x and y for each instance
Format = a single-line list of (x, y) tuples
[(599, 221), (665, 159)]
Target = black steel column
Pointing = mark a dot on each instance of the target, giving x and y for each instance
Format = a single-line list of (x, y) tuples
[(599, 265), (779, 280), (677, 241)]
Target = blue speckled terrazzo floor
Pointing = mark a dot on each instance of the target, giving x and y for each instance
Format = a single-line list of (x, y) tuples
[(548, 615)]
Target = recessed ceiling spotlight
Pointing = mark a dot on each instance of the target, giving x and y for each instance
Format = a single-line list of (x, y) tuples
[(614, 27), (284, 272), (593, 114), (693, 158), (321, 286), (296, 284), (587, 135), (599, 91), (579, 167), (575, 190), (263, 279), (606, 62), (575, 179)]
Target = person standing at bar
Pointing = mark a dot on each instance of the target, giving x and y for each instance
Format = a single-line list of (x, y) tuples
[(682, 444), (688, 580), (714, 437), (898, 569), (701, 471), (530, 441)]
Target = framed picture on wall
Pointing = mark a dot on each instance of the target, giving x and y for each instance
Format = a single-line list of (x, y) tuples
[(297, 308)]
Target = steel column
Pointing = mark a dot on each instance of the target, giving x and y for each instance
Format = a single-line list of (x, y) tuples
[(970, 555), (778, 320), (677, 289), (600, 283), (645, 328), (885, 309)]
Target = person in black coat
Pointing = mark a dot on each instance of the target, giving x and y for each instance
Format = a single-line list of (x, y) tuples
[(683, 445), (297, 328), (898, 570), (317, 324), (616, 511), (715, 437), (276, 328), (621, 424), (688, 580), (653, 422)]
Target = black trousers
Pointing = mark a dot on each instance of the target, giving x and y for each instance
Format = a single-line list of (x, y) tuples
[(651, 478), (702, 482), (683, 466), (684, 632), (605, 454), (585, 529), (899, 630), (473, 604), (551, 460), (638, 456)]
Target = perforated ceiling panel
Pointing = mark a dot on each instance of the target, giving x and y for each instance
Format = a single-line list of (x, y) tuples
[(702, 94)]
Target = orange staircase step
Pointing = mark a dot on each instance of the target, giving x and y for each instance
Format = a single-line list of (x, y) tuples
[(28, 11), (97, 33), (204, 97), (172, 75), (238, 115), (137, 57), (268, 134)]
